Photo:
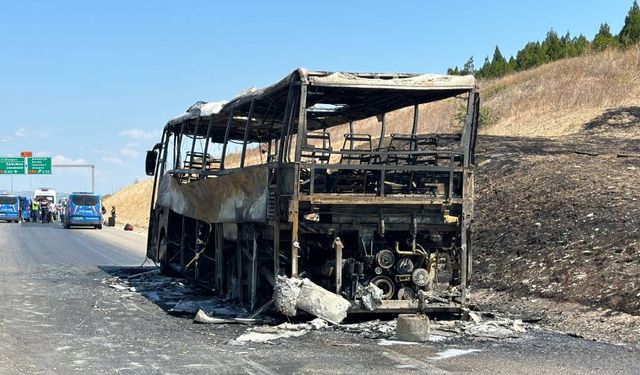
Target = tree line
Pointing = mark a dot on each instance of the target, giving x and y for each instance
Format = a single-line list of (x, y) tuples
[(555, 47)]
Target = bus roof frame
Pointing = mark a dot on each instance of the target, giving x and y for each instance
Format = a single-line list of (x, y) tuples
[(384, 92)]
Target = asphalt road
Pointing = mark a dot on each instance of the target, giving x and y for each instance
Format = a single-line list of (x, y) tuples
[(58, 317)]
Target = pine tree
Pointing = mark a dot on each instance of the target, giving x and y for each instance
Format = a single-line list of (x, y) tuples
[(530, 56), (498, 64), (581, 44), (512, 66), (552, 47), (604, 39), (569, 45), (630, 33), (468, 67), (484, 71)]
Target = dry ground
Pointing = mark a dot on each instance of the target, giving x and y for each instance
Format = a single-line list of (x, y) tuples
[(558, 220)]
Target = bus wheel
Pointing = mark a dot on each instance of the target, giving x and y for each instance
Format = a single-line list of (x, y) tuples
[(99, 226)]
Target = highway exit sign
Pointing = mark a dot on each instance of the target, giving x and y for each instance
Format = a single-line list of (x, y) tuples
[(39, 165), (11, 165)]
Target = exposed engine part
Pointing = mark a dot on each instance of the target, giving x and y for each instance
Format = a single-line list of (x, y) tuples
[(403, 278), (420, 277), (384, 283), (406, 293), (417, 250), (378, 270), (404, 265), (385, 259)]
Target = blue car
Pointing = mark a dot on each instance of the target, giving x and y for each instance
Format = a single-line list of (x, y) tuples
[(9, 208), (83, 209)]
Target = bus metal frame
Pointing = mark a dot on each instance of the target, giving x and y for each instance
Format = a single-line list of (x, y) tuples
[(398, 215)]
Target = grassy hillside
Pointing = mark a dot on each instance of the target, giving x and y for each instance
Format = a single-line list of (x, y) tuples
[(132, 204), (561, 97)]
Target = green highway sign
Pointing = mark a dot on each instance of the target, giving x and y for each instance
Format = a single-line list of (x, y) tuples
[(39, 165), (11, 165)]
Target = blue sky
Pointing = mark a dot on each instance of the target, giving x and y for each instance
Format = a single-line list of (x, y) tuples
[(94, 82)]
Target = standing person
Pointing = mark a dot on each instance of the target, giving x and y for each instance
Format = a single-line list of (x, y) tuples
[(53, 212), (43, 211), (112, 219), (35, 208)]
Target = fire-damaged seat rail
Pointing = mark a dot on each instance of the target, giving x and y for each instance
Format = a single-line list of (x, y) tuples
[(304, 179)]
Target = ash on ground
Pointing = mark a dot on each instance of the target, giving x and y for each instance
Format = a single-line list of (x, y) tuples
[(180, 297)]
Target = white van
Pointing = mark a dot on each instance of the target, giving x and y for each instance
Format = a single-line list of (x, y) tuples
[(44, 193)]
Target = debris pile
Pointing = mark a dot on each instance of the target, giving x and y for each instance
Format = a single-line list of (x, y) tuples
[(265, 334), (370, 296), (498, 328), (176, 296), (286, 294), (494, 328), (373, 329), (291, 294)]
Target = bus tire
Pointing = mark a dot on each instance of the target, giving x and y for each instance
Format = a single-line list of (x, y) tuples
[(99, 226)]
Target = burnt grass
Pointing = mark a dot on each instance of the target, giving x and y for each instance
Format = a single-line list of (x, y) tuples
[(560, 218)]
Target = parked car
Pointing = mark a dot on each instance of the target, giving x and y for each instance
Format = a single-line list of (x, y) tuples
[(83, 209), (9, 208)]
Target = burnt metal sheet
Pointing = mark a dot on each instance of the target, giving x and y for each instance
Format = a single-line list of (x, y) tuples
[(387, 92), (233, 198)]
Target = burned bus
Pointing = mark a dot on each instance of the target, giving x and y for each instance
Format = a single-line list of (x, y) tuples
[(304, 179)]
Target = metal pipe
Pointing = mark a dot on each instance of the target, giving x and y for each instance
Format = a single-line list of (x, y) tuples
[(416, 113), (383, 129), (193, 143), (206, 144), (226, 137), (418, 252), (286, 120), (338, 246), (246, 133)]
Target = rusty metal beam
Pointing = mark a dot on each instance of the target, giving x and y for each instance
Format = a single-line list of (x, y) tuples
[(246, 134)]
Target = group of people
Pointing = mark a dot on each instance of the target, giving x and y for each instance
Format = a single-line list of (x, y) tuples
[(45, 211)]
